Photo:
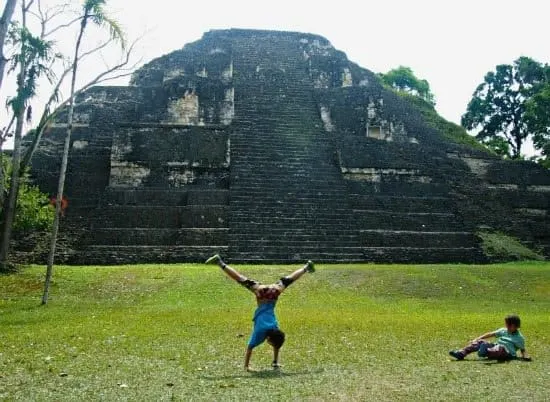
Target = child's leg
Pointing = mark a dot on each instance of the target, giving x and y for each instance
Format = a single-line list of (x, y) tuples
[(247, 357), (474, 347), (497, 352), (287, 280), (233, 274)]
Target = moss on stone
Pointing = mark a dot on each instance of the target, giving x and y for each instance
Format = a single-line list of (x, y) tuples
[(447, 129), (501, 247)]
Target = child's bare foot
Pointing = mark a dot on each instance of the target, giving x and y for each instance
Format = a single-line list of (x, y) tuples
[(249, 369)]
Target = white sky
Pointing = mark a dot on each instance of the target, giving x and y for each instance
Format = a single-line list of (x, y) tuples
[(452, 44)]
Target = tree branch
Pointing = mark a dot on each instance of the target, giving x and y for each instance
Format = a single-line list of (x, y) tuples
[(59, 27), (48, 117)]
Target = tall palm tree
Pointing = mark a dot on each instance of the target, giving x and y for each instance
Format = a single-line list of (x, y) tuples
[(4, 25), (92, 11)]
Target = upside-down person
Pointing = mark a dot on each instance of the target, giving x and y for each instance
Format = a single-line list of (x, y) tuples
[(266, 327)]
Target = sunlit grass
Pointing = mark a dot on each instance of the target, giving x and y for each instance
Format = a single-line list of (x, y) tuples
[(359, 332)]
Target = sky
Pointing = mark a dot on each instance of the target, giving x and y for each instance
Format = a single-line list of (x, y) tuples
[(452, 44)]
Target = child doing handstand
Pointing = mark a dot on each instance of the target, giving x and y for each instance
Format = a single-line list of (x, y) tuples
[(266, 327)]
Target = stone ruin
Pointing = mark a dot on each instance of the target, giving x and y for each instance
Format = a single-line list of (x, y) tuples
[(273, 147)]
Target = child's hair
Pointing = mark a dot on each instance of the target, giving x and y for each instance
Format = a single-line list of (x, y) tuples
[(513, 319), (276, 338)]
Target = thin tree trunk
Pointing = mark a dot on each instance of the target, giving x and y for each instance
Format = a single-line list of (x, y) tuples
[(64, 163), (2, 176), (10, 204), (5, 21)]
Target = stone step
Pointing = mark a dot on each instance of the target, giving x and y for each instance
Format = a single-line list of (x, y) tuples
[(288, 236), (160, 237), (401, 188), (160, 217), (401, 204), (390, 220), (166, 197), (417, 239), (293, 257), (117, 255), (414, 255)]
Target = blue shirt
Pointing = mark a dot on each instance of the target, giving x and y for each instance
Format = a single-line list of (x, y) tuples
[(511, 341), (264, 320)]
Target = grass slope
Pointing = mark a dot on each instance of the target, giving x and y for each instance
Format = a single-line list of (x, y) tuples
[(449, 130), (357, 332)]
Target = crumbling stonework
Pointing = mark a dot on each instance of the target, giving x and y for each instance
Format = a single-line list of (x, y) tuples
[(273, 146)]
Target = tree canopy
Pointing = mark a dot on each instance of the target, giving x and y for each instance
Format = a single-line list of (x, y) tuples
[(507, 108), (403, 79)]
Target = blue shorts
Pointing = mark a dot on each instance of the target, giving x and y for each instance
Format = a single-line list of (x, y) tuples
[(258, 336)]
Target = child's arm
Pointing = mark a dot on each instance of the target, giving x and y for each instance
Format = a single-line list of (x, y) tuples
[(525, 356), (247, 357), (485, 336)]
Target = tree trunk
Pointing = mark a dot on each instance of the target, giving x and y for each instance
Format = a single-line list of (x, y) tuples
[(10, 204), (64, 163), (4, 25), (2, 189)]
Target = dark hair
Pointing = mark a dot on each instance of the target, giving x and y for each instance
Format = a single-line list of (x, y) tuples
[(513, 319), (276, 338)]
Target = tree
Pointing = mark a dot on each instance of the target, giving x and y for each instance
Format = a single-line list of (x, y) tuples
[(64, 16), (5, 20), (32, 61), (92, 10), (499, 104), (538, 116), (403, 79)]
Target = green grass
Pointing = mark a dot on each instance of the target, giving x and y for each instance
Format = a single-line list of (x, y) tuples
[(358, 332), (501, 247), (449, 130)]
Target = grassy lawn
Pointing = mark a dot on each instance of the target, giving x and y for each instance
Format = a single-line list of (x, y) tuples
[(359, 332)]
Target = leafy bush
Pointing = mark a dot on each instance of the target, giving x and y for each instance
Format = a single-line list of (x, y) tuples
[(501, 247), (34, 212)]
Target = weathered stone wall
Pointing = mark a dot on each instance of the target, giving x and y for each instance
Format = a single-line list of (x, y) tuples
[(268, 145)]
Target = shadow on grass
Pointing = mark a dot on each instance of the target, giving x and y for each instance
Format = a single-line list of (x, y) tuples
[(266, 374), (486, 362)]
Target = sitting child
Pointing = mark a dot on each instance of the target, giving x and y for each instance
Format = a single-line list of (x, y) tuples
[(508, 341), (266, 327)]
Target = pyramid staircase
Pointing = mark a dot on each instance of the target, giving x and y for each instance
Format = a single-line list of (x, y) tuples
[(288, 201)]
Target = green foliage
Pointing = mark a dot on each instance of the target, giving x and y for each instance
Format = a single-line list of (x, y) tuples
[(37, 56), (499, 146), (403, 79), (95, 11), (538, 115), (354, 333), (501, 247), (34, 212), (498, 108), (452, 132)]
